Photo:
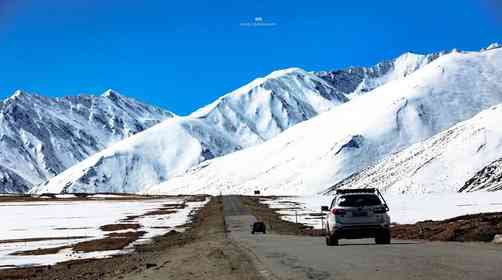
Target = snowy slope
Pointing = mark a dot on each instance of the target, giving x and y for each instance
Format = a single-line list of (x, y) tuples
[(247, 116), (356, 81), (41, 136), (267, 106), (442, 163), (320, 152)]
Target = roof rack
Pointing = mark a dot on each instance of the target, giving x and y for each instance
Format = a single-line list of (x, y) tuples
[(366, 190)]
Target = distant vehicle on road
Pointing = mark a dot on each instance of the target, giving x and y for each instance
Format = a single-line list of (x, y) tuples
[(258, 227), (357, 213)]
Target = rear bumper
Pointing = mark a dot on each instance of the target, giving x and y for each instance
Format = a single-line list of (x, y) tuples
[(360, 231)]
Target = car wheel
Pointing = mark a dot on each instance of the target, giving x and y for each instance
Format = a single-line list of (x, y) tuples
[(386, 237), (335, 241), (383, 237), (331, 241), (328, 241), (378, 239)]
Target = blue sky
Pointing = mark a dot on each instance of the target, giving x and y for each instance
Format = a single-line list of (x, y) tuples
[(181, 56)]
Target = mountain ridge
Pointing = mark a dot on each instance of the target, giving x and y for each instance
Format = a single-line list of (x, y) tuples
[(249, 115), (245, 117), (324, 150), (42, 136)]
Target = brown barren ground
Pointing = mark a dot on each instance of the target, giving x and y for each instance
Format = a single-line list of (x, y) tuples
[(115, 227), (478, 227), (112, 241)]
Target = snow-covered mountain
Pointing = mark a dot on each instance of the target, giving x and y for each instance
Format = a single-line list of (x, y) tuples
[(243, 118), (356, 81), (327, 149), (267, 106), (41, 136), (492, 46), (442, 163), (247, 116)]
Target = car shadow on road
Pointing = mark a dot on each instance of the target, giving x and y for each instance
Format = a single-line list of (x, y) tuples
[(374, 244)]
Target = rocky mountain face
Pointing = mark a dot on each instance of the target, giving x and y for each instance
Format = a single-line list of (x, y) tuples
[(356, 81), (41, 136), (489, 178)]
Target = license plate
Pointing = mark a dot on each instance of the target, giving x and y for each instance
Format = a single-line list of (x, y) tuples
[(360, 214)]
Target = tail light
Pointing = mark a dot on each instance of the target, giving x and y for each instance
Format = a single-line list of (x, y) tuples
[(340, 212)]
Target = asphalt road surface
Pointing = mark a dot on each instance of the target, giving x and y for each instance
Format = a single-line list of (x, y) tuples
[(303, 257)]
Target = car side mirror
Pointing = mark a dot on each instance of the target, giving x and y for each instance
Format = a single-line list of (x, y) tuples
[(324, 208)]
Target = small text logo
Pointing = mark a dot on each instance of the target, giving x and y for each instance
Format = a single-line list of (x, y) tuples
[(258, 22)]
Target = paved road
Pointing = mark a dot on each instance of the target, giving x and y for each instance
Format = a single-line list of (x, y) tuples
[(302, 257)]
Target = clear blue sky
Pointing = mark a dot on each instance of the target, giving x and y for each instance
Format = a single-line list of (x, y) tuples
[(181, 55)]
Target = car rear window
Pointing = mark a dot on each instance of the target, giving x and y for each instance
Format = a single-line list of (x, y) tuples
[(358, 200)]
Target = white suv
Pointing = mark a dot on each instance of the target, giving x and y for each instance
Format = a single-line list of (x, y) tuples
[(357, 213)]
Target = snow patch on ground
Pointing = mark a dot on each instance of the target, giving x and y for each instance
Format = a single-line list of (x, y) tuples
[(28, 220)]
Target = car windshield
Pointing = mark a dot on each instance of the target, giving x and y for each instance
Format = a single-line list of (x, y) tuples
[(358, 200)]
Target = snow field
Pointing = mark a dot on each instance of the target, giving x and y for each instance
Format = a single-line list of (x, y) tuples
[(28, 220)]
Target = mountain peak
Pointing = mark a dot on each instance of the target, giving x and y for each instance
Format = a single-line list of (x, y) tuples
[(408, 53), (492, 46), (279, 73), (111, 93), (18, 93), (114, 95), (272, 76)]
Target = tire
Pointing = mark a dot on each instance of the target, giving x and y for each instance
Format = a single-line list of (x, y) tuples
[(331, 241), (383, 237)]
